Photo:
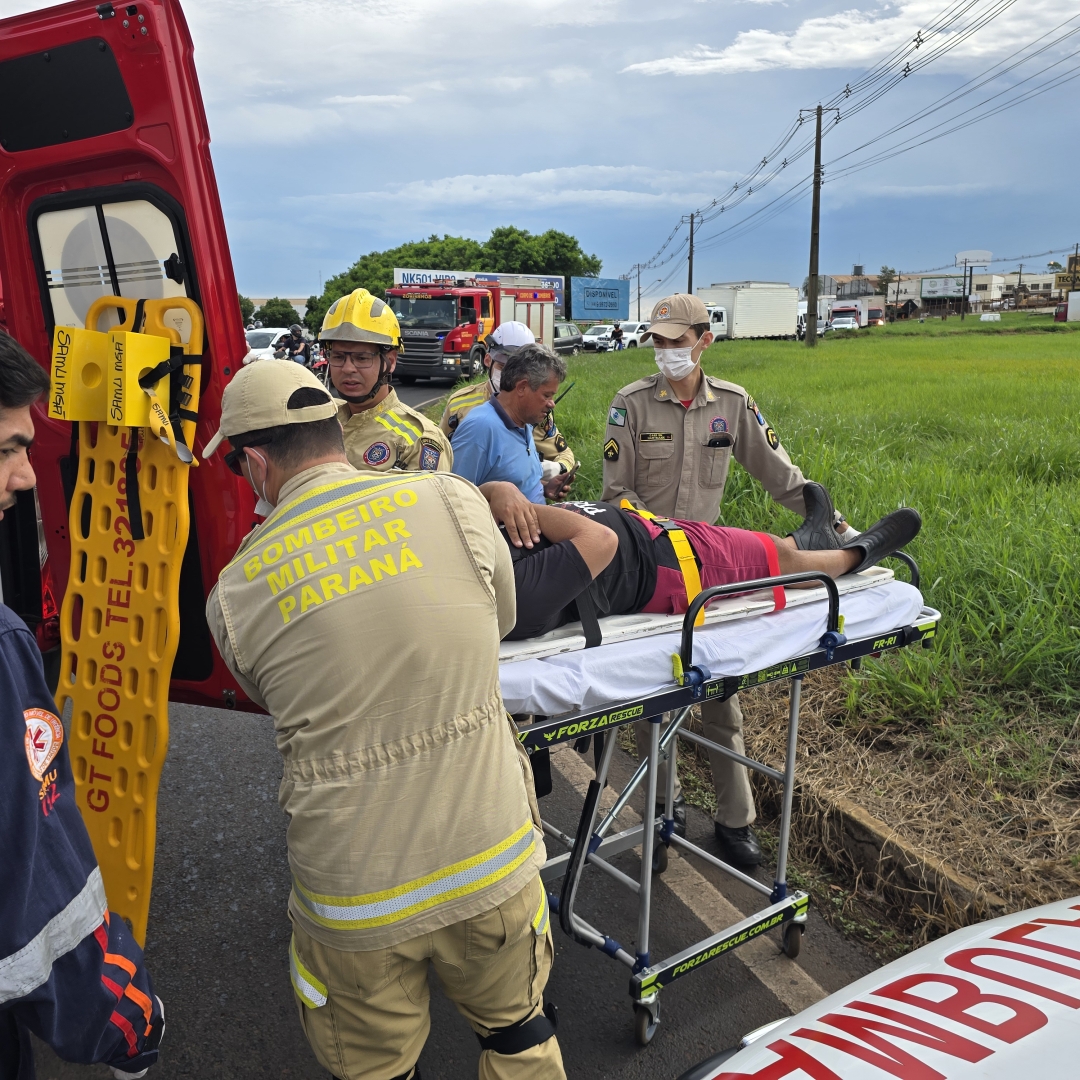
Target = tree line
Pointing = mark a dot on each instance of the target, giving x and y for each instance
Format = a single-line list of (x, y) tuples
[(508, 250)]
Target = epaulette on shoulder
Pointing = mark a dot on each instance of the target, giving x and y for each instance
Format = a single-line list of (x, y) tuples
[(648, 383), (722, 384)]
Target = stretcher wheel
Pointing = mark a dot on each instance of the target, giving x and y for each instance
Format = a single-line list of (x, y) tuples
[(793, 933), (646, 1023), (659, 858)]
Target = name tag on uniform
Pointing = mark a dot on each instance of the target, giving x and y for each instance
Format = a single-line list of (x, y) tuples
[(655, 436)]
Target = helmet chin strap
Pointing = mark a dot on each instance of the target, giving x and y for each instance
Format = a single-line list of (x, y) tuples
[(380, 382)]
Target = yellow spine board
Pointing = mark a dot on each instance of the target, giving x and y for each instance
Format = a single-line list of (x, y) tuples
[(120, 626)]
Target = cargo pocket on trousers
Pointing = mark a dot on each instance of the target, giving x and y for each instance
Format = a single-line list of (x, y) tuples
[(656, 464)]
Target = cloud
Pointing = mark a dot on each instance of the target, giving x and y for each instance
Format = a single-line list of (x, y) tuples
[(626, 187), (849, 39), (368, 99)]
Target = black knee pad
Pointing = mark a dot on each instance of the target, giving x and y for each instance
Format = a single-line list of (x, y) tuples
[(524, 1035)]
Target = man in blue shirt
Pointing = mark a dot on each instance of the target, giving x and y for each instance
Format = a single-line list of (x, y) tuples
[(495, 442)]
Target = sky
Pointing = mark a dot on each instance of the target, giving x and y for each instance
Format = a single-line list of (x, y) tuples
[(346, 126)]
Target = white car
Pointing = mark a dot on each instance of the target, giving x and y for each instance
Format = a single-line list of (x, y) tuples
[(994, 1001), (844, 322), (262, 343), (632, 332), (597, 338)]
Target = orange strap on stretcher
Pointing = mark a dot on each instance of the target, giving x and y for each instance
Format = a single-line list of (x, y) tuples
[(683, 552)]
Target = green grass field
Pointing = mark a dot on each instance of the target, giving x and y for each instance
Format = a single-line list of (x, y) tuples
[(980, 431)]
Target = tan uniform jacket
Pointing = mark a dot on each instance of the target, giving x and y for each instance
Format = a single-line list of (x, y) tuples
[(365, 615), (393, 436), (550, 444), (657, 452)]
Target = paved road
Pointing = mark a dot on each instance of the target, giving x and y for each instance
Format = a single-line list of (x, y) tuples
[(422, 392), (217, 944)]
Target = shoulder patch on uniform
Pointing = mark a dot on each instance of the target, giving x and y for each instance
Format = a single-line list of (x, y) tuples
[(772, 438), (560, 444), (616, 417), (429, 455), (376, 453), (43, 739), (550, 428), (655, 436), (611, 450), (718, 423), (752, 405)]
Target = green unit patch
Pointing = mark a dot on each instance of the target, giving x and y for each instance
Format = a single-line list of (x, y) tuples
[(616, 417)]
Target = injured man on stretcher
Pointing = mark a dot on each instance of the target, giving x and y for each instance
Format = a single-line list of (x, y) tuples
[(619, 562)]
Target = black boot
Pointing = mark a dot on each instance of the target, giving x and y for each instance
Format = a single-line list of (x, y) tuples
[(738, 846), (678, 812), (884, 537), (817, 532)]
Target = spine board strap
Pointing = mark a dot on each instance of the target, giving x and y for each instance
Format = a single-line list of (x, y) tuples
[(131, 483), (683, 552), (523, 1035)]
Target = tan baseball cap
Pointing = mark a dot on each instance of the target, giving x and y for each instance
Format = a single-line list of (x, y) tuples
[(258, 397), (674, 315)]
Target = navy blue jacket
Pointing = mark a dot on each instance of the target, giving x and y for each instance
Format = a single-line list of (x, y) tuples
[(70, 971)]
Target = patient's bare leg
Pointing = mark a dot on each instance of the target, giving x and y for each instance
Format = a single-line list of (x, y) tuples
[(835, 563)]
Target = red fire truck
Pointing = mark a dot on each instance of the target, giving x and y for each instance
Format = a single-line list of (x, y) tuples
[(445, 326)]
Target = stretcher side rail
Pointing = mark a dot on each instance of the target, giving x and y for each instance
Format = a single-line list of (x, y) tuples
[(573, 726)]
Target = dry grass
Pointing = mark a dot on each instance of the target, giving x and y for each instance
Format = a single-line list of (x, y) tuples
[(1020, 840)]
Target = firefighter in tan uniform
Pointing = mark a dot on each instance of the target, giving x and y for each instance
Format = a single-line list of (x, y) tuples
[(555, 456), (365, 615), (362, 338), (670, 438)]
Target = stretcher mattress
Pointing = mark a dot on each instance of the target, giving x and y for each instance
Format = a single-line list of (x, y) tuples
[(556, 674)]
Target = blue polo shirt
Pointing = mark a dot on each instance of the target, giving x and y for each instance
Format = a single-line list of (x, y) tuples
[(488, 445)]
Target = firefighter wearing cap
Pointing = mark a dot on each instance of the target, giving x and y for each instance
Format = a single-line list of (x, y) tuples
[(670, 439), (413, 840), (362, 339), (555, 455)]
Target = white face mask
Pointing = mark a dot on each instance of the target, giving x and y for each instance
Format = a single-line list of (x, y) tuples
[(263, 507), (676, 364), (495, 375)]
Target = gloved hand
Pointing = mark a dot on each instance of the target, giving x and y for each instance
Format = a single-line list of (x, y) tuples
[(119, 1074), (548, 469)]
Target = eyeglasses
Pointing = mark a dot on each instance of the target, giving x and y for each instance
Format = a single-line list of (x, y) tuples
[(360, 361), (235, 456)]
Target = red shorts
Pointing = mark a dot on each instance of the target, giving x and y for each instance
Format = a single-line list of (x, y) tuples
[(725, 556)]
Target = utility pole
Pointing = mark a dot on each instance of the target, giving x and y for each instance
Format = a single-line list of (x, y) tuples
[(1019, 282), (638, 269), (898, 294), (690, 269), (963, 299), (814, 223), (1075, 266)]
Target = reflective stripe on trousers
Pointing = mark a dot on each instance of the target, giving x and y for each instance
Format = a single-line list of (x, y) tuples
[(403, 901), (308, 989)]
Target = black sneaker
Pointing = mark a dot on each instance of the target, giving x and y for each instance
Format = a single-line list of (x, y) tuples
[(738, 846), (678, 812), (817, 532), (884, 537)]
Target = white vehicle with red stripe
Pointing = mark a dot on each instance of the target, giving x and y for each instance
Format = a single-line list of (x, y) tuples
[(989, 1002)]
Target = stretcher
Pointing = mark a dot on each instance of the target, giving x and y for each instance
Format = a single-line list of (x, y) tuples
[(650, 665)]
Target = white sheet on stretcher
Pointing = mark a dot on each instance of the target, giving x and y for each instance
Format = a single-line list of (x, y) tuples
[(729, 644)]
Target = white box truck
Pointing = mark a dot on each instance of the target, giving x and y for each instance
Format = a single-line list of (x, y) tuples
[(751, 309)]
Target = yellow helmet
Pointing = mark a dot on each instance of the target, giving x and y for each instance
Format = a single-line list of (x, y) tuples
[(361, 317)]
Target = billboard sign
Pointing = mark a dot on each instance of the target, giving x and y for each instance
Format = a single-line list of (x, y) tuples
[(602, 299), (939, 288)]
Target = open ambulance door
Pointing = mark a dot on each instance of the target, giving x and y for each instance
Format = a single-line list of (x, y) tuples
[(107, 189)]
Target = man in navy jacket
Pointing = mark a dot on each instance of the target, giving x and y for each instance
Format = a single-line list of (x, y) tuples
[(70, 971)]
